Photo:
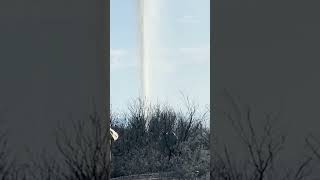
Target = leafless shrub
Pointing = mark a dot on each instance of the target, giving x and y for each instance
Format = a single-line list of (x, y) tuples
[(159, 138), (84, 151), (44, 167), (261, 148)]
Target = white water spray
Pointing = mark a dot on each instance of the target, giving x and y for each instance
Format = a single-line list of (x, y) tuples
[(148, 21), (147, 32), (144, 65)]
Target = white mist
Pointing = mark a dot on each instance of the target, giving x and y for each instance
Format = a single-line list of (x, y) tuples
[(148, 11)]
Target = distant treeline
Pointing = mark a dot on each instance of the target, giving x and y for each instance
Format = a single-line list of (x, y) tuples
[(159, 139), (152, 139)]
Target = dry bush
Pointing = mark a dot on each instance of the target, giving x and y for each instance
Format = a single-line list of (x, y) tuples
[(261, 149)]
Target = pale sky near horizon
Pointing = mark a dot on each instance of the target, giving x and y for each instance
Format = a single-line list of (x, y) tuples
[(181, 65)]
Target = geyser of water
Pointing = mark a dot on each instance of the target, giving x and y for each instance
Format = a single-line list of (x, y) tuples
[(147, 10), (144, 65), (147, 32)]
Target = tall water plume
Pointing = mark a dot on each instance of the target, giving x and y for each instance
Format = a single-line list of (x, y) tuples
[(148, 21)]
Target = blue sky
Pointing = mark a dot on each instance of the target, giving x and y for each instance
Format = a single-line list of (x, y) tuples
[(181, 61)]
